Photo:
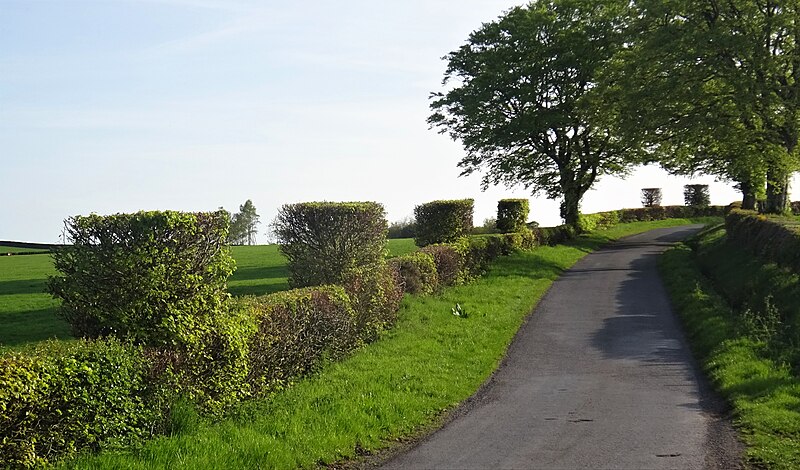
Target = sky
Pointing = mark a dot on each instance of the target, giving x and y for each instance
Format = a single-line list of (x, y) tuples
[(112, 106)]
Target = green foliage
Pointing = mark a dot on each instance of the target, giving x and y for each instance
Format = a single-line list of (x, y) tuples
[(418, 271), (712, 88), (597, 221), (555, 235), (375, 294), (651, 197), (696, 195), (512, 215), (644, 214), (61, 398), (151, 277), (212, 367), (529, 73), (324, 241), (298, 330), (443, 221)]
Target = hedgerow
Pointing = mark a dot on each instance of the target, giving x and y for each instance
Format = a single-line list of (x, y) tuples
[(645, 214), (59, 398), (449, 263), (775, 239), (225, 351), (418, 272), (375, 293), (296, 331), (600, 220), (324, 241), (554, 235), (443, 221)]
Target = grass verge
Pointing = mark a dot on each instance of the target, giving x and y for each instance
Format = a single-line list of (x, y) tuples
[(764, 394), (429, 363)]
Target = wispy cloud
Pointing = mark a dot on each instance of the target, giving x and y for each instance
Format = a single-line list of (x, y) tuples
[(241, 22)]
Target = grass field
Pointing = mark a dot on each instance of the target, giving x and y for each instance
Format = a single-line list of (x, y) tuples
[(4, 250), (28, 314), (390, 390)]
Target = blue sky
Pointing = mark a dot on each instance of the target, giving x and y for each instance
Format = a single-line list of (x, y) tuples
[(119, 105)]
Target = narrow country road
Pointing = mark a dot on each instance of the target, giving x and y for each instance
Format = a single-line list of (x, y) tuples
[(599, 377)]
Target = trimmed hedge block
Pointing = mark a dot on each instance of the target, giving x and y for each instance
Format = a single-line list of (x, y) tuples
[(151, 277), (443, 221), (651, 197), (324, 241), (418, 272), (512, 215)]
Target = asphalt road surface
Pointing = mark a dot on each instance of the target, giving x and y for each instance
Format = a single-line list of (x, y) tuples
[(600, 376)]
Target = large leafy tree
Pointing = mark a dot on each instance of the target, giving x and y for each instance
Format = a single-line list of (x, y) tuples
[(712, 86), (517, 97)]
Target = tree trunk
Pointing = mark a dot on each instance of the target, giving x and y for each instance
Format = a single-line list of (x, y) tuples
[(748, 195), (570, 207), (777, 191)]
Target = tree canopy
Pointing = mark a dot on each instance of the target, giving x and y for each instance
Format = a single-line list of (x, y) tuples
[(711, 87), (518, 99)]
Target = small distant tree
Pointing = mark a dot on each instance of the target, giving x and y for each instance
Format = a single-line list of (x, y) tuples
[(249, 220), (243, 224), (651, 197), (696, 195)]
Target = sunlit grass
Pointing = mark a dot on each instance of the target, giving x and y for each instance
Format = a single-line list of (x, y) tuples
[(765, 395)]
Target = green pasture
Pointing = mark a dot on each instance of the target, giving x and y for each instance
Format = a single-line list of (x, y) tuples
[(5, 250), (28, 314)]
